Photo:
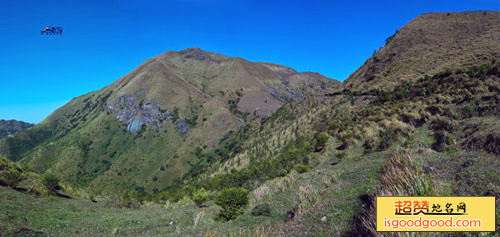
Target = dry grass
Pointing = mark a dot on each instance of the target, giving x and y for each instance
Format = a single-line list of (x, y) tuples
[(261, 231), (428, 44), (401, 176)]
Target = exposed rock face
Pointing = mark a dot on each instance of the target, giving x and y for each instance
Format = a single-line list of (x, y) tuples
[(128, 109), (182, 126), (135, 124), (194, 53), (290, 95)]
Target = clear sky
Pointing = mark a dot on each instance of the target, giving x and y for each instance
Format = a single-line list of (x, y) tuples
[(104, 40)]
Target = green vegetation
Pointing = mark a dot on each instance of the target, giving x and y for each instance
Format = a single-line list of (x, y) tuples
[(301, 168), (10, 178), (200, 197), (22, 178), (233, 202), (51, 182), (321, 139), (262, 170), (262, 210), (386, 138)]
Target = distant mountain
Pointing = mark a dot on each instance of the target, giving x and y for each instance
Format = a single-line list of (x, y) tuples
[(429, 44), (8, 127), (143, 129)]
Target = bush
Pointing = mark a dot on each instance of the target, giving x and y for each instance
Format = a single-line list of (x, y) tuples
[(130, 199), (233, 202), (301, 168), (10, 178), (51, 182), (321, 139), (200, 196), (387, 137), (442, 124), (440, 140), (369, 144), (161, 196), (340, 155), (261, 210)]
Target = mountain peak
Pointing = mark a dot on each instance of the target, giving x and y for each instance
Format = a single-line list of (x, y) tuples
[(191, 49), (195, 53), (428, 44)]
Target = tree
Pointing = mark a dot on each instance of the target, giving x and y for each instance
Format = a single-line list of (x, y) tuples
[(233, 202)]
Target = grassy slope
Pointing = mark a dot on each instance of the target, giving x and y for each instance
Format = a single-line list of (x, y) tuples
[(428, 44), (462, 103)]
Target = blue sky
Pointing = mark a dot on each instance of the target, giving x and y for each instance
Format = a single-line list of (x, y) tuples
[(104, 40)]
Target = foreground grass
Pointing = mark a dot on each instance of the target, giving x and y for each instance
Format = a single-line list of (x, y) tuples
[(66, 217), (327, 190)]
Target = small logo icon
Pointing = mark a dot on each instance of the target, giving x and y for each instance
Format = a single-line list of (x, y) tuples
[(52, 30)]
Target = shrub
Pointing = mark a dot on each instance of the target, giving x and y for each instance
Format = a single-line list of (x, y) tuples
[(387, 137), (139, 195), (440, 140), (321, 139), (492, 144), (126, 200), (161, 196), (341, 155), (301, 168), (51, 182), (442, 124), (261, 210), (26, 167), (200, 196), (233, 202), (370, 144), (10, 178)]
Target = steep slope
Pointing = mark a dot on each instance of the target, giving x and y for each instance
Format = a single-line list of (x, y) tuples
[(8, 127), (429, 44), (140, 132), (435, 128)]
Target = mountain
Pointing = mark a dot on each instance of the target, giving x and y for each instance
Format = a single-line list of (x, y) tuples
[(8, 127), (142, 130), (313, 167), (429, 44)]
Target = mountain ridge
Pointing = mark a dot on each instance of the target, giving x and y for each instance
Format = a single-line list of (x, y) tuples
[(429, 43), (189, 99)]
